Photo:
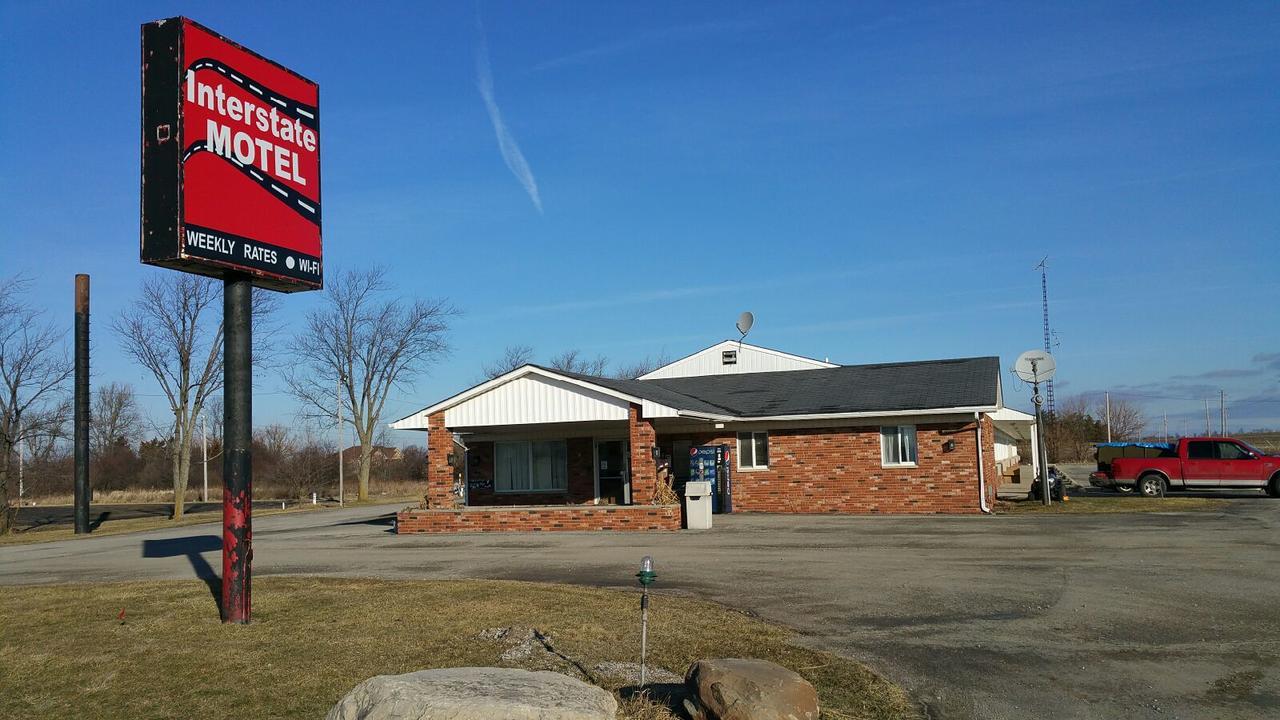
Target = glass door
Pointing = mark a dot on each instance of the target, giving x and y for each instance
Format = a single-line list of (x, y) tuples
[(612, 476)]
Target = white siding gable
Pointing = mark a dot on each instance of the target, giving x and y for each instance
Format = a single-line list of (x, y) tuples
[(535, 399), (750, 359)]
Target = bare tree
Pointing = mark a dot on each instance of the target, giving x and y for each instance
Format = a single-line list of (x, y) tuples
[(512, 357), (367, 343), (642, 367), (1127, 422), (277, 439), (574, 361), (33, 370), (114, 416), (213, 417), (175, 330)]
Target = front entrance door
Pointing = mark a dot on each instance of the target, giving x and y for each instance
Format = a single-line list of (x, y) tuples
[(611, 472)]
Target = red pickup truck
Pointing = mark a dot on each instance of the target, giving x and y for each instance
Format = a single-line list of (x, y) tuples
[(1198, 462)]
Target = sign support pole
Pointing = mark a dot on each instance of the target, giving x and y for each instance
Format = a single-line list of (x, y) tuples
[(237, 460), (82, 406)]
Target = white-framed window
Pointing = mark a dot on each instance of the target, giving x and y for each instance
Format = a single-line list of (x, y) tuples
[(530, 466), (753, 450), (897, 445)]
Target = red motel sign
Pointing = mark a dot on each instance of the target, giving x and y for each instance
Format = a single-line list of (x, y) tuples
[(230, 160)]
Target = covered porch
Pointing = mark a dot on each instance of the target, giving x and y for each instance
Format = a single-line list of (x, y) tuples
[(585, 463), (1014, 428), (542, 477), (537, 450)]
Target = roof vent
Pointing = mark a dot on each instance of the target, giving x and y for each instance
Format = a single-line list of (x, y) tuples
[(729, 357)]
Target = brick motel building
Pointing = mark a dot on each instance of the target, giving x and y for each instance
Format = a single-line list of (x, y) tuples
[(538, 449)]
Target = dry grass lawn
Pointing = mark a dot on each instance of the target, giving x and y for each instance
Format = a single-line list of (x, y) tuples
[(1120, 504), (64, 653)]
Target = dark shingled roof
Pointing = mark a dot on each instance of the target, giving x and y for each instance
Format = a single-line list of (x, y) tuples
[(925, 385), (648, 390)]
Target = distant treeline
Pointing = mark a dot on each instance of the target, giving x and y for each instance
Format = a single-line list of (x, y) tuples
[(284, 467)]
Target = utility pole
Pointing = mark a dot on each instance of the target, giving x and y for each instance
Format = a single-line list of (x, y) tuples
[(204, 444), (341, 496), (1222, 400), (1107, 395), (22, 456), (1208, 428), (1166, 427)]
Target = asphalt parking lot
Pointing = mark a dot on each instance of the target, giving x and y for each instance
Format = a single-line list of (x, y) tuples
[(1158, 615)]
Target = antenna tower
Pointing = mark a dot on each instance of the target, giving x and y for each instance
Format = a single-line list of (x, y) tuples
[(1044, 300)]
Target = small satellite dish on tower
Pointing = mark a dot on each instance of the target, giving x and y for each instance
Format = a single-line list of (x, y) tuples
[(745, 321), (1035, 366)]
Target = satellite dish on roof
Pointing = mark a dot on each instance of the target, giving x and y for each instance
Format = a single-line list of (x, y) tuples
[(1035, 366), (745, 321)]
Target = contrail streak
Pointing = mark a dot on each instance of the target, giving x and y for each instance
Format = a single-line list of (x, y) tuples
[(506, 141)]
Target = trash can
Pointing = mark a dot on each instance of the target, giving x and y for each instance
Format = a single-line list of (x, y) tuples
[(697, 505)]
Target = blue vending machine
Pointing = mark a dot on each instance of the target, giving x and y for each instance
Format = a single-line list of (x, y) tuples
[(710, 463)]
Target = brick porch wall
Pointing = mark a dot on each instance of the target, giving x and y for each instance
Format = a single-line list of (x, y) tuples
[(540, 519), (837, 470)]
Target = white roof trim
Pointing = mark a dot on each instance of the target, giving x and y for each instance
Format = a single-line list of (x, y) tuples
[(1007, 414), (417, 421), (736, 344)]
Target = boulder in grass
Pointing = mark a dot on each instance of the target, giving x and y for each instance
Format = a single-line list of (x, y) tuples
[(746, 689), (475, 694)]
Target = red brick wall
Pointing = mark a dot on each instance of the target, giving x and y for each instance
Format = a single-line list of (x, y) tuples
[(644, 470), (992, 476), (581, 477), (440, 477), (533, 519), (837, 470)]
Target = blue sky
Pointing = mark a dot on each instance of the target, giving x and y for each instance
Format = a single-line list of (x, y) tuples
[(874, 181)]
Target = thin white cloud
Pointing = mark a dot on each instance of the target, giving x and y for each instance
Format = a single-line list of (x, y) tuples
[(506, 141), (692, 31)]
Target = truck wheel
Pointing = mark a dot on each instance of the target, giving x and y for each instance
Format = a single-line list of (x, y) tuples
[(1151, 485), (1124, 489), (1273, 487)]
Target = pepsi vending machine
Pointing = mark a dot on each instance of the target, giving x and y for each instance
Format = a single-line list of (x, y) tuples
[(710, 463)]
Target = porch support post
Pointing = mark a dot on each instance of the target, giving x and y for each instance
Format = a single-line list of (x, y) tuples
[(440, 474), (644, 469)]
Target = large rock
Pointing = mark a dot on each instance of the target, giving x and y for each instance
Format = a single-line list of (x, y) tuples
[(475, 694), (738, 689)]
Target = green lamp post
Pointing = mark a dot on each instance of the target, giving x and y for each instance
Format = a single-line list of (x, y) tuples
[(646, 576)]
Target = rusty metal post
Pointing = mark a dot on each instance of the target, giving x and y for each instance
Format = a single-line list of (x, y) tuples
[(237, 461), (81, 500)]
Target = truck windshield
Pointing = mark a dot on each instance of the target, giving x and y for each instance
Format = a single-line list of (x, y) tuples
[(1250, 448)]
